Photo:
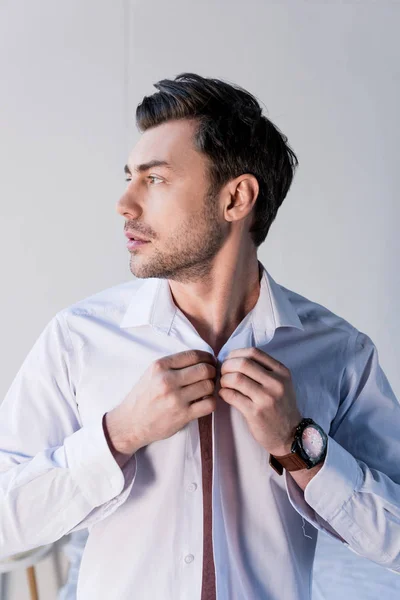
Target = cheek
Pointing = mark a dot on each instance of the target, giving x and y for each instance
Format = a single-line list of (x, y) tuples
[(171, 211)]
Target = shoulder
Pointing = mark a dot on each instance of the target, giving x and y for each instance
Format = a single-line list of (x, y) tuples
[(317, 318), (106, 307)]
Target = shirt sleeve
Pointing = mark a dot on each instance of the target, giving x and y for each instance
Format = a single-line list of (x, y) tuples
[(56, 476), (355, 496)]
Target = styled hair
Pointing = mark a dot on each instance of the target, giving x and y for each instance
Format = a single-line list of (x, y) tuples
[(232, 133)]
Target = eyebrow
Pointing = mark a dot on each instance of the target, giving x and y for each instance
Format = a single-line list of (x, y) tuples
[(149, 165)]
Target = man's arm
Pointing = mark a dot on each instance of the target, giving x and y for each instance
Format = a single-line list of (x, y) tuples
[(304, 476), (115, 434), (357, 488), (55, 475)]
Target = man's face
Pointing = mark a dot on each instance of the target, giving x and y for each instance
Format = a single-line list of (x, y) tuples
[(171, 207)]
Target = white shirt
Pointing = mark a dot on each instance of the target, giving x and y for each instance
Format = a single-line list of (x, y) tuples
[(57, 473)]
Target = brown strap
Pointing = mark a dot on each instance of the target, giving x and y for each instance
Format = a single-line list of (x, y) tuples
[(290, 462)]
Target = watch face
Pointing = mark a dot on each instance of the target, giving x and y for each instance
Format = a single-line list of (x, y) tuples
[(312, 442)]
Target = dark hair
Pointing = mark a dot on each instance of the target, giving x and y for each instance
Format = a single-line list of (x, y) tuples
[(232, 133)]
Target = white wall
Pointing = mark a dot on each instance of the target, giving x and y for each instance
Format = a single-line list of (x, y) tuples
[(72, 74), (62, 150), (62, 144)]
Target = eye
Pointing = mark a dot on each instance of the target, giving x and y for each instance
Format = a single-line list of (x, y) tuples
[(154, 177), (149, 177)]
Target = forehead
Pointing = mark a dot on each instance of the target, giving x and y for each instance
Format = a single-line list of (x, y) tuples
[(171, 141)]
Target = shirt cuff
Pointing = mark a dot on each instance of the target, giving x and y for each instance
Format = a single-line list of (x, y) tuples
[(92, 464), (335, 483), (328, 491)]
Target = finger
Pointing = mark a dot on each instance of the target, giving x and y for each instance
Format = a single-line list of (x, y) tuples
[(197, 391), (243, 403), (186, 359), (194, 373), (241, 383), (250, 368), (259, 356), (202, 407)]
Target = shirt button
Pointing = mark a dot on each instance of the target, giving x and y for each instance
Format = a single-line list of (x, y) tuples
[(189, 558), (192, 487)]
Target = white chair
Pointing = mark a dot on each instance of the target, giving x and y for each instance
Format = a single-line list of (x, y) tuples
[(26, 560)]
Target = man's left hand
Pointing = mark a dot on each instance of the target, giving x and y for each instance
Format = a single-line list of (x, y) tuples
[(261, 388)]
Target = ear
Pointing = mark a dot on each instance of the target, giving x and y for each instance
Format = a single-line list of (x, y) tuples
[(242, 195)]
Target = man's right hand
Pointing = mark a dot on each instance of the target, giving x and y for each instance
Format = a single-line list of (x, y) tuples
[(174, 390)]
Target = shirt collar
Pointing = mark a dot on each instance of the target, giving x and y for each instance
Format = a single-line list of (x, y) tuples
[(152, 304)]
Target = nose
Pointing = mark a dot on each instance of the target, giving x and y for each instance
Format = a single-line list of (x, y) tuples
[(127, 205)]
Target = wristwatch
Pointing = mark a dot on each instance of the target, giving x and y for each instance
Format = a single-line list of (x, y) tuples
[(308, 449)]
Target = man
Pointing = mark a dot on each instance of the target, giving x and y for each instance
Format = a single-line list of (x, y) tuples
[(194, 417)]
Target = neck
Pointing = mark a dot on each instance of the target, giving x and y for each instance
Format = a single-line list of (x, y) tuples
[(217, 305)]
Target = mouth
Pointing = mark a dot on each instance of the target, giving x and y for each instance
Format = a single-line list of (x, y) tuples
[(132, 244), (131, 235)]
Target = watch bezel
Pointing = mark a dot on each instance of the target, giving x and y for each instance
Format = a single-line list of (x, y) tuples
[(297, 445)]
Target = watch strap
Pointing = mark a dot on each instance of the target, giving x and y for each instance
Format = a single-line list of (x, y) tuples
[(290, 462)]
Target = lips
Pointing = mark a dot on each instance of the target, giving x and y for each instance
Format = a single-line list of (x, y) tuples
[(135, 236), (132, 244)]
